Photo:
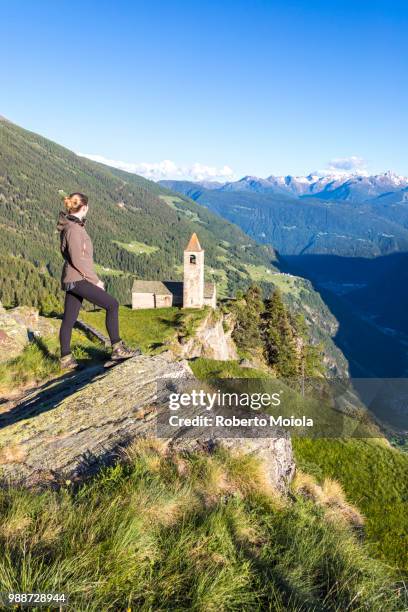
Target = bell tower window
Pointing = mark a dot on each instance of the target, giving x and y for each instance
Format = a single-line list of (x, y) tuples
[(193, 259)]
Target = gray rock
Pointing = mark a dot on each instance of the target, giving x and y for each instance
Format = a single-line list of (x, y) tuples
[(33, 321), (13, 337), (212, 339), (275, 454), (18, 326), (246, 363), (67, 429)]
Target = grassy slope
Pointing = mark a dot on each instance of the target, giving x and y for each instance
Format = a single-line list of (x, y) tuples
[(151, 330), (40, 361), (293, 554), (373, 474), (164, 532), (375, 478)]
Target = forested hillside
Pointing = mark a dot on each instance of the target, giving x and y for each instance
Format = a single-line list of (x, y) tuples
[(139, 229)]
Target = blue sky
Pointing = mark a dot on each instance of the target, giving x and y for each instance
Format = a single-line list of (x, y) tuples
[(216, 88)]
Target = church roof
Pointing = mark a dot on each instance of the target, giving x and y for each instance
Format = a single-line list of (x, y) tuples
[(150, 286), (194, 244), (167, 287)]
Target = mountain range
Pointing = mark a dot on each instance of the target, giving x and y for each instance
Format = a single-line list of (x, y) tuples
[(348, 235), (349, 215), (349, 187)]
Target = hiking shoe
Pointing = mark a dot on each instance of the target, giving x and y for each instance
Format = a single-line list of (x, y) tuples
[(68, 362), (121, 351)]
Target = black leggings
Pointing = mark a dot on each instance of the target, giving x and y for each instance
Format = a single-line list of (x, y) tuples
[(73, 301)]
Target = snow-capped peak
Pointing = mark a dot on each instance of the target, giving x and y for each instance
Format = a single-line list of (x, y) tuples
[(354, 186)]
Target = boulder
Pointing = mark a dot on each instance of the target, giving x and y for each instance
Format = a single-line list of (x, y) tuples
[(68, 429), (274, 453), (13, 336), (33, 321), (18, 326)]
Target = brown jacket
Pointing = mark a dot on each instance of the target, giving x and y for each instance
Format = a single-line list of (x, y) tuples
[(77, 250)]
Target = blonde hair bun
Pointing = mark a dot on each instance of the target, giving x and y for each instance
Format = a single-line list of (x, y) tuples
[(74, 202)]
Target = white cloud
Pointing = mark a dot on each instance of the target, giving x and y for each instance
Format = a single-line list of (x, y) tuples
[(346, 165), (168, 169)]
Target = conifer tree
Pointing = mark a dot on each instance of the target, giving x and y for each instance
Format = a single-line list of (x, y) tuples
[(310, 354), (279, 337), (247, 332)]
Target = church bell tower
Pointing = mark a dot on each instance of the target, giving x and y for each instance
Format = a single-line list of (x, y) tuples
[(193, 287)]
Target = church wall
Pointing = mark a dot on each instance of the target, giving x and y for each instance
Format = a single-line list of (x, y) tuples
[(143, 300), (164, 301), (212, 301), (151, 300), (193, 296)]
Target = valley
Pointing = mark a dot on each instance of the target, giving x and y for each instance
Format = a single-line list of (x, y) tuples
[(348, 236)]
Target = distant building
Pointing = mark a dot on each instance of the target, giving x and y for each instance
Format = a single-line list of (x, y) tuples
[(193, 292)]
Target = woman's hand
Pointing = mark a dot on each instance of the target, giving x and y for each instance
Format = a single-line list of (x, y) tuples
[(101, 285)]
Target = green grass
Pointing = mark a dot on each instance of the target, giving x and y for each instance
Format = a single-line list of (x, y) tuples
[(288, 284), (259, 273), (105, 271), (151, 329), (211, 368), (165, 532), (375, 478), (145, 328), (138, 248), (171, 200), (179, 205), (373, 474), (40, 360)]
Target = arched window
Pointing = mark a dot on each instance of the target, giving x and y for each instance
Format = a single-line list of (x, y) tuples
[(193, 259)]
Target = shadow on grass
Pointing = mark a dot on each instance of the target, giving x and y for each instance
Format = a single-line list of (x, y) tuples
[(46, 396), (154, 346)]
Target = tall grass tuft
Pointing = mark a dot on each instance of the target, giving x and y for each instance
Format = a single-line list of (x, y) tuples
[(162, 531)]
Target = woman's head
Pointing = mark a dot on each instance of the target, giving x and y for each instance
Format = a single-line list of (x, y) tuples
[(76, 204)]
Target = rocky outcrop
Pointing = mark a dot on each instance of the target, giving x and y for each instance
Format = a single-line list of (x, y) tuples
[(18, 326), (212, 339), (275, 454), (13, 336), (66, 430), (33, 321)]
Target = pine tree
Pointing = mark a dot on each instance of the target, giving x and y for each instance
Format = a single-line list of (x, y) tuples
[(247, 332), (310, 354), (279, 337)]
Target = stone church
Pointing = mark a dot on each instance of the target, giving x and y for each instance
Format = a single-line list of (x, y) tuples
[(192, 292)]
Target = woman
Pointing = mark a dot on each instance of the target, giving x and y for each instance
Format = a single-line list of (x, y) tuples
[(80, 281)]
